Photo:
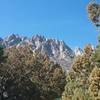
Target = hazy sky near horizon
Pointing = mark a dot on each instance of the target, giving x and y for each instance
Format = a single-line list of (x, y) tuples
[(60, 19)]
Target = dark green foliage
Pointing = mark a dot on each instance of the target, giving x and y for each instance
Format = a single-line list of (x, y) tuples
[(15, 78), (16, 89), (1, 54), (96, 55), (99, 38), (49, 78), (30, 76)]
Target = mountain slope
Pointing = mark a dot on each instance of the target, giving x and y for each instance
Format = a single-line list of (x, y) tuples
[(57, 50)]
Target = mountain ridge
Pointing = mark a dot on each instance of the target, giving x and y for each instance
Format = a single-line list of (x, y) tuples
[(57, 50)]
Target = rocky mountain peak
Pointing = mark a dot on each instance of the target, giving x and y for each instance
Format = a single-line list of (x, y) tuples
[(78, 51), (57, 50), (38, 38)]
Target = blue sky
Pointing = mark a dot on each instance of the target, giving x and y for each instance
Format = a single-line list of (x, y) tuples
[(61, 19)]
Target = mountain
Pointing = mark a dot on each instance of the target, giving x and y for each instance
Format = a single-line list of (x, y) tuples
[(57, 50), (78, 51)]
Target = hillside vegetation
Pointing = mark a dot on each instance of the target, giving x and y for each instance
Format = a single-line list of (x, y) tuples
[(83, 80), (29, 75)]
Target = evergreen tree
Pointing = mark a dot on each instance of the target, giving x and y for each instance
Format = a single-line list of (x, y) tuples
[(96, 55), (94, 87), (79, 94), (1, 54), (94, 16), (30, 76), (77, 79), (83, 81), (94, 13)]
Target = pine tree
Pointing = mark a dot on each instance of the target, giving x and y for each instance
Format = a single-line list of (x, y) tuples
[(94, 87), (79, 94), (96, 55), (77, 79), (83, 81), (1, 54), (94, 13), (33, 76), (94, 78)]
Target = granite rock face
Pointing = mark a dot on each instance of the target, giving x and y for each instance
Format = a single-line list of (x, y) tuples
[(78, 51), (57, 50)]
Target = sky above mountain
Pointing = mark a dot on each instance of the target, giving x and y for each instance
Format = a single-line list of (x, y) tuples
[(60, 19)]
